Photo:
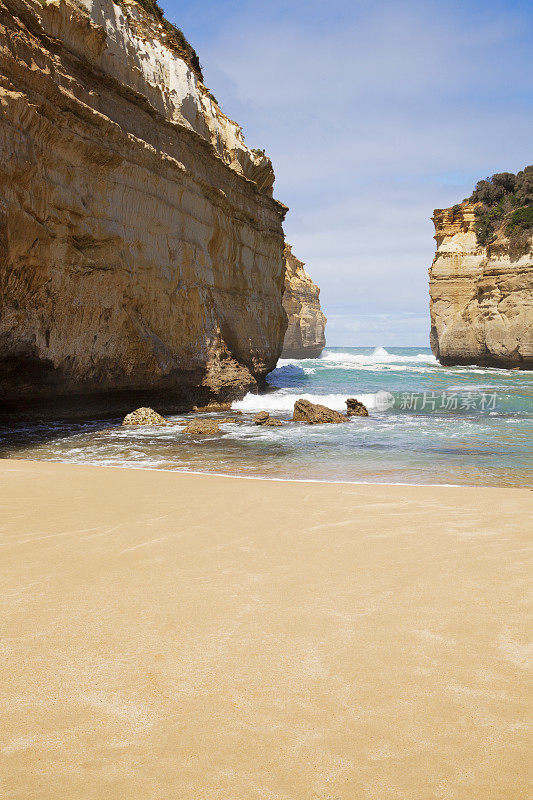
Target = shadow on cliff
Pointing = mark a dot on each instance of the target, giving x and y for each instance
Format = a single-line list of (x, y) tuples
[(16, 437), (26, 421)]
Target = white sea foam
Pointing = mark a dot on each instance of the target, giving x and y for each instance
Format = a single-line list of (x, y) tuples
[(284, 401)]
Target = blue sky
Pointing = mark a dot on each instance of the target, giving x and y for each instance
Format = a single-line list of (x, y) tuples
[(374, 113)]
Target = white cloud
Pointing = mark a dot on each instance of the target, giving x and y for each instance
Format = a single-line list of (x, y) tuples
[(373, 330)]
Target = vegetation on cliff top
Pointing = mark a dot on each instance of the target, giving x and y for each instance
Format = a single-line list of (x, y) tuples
[(176, 39), (506, 206)]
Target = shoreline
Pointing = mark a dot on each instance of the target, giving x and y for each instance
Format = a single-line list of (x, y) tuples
[(472, 431), (266, 478), (170, 636)]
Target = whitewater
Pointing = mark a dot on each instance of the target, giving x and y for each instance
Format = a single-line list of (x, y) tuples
[(427, 424)]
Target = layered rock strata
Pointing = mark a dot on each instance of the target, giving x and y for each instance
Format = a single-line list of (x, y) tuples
[(140, 247), (305, 335), (481, 297)]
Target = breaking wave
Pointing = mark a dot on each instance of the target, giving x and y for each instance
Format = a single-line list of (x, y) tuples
[(381, 356), (379, 359), (283, 401)]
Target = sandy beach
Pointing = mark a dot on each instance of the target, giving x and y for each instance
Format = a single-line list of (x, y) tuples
[(186, 637)]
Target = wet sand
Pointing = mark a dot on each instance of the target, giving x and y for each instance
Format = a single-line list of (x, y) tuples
[(182, 637)]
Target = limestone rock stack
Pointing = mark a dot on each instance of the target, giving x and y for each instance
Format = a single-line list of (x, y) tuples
[(481, 295), (305, 336), (140, 246)]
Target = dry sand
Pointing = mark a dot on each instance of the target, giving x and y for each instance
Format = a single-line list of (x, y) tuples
[(180, 637)]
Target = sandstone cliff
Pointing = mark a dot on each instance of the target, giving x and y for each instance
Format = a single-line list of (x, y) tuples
[(305, 336), (481, 295), (140, 246)]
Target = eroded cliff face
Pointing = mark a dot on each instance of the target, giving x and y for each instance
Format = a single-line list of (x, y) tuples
[(481, 297), (305, 336), (140, 247)]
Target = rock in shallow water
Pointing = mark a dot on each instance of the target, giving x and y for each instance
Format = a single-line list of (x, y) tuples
[(212, 407), (202, 427), (356, 408), (144, 416), (315, 414), (263, 418)]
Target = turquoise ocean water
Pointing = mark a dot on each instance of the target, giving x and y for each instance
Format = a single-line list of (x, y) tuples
[(428, 424)]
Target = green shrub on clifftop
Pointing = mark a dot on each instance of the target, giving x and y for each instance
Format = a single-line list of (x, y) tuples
[(521, 218), (506, 205)]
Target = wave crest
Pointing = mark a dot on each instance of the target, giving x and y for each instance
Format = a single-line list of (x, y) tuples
[(284, 401), (378, 357)]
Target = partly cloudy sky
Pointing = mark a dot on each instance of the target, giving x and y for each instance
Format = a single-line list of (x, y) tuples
[(374, 113)]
